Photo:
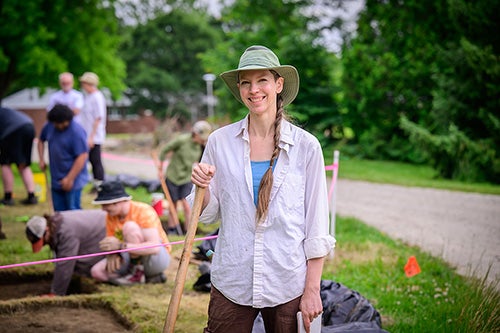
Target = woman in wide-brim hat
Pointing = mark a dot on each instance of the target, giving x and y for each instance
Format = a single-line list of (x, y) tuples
[(267, 186)]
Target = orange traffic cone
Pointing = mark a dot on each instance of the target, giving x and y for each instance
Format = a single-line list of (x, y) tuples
[(412, 268)]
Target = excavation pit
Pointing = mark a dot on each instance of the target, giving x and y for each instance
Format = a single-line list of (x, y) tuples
[(23, 310), (14, 285)]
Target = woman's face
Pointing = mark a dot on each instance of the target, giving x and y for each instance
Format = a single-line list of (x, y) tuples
[(259, 89)]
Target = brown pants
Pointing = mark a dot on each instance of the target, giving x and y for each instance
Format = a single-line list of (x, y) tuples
[(225, 316)]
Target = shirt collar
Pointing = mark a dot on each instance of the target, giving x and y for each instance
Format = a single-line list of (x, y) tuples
[(286, 139)]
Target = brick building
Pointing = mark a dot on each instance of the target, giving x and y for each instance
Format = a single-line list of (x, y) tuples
[(32, 102)]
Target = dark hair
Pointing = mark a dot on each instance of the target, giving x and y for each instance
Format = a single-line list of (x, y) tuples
[(59, 114)]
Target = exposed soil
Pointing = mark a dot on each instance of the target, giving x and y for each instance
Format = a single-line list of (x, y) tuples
[(14, 285), (49, 319), (22, 310)]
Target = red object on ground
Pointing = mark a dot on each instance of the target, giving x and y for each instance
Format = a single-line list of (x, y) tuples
[(158, 207), (412, 268)]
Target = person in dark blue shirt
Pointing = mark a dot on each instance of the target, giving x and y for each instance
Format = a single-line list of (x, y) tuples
[(16, 141), (68, 154)]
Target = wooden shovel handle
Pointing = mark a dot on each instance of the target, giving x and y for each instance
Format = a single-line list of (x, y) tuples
[(48, 193), (171, 204), (180, 279)]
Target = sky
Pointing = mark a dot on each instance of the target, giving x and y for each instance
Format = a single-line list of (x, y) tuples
[(331, 39)]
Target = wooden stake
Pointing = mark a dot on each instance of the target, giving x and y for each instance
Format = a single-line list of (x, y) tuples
[(180, 279), (48, 193), (171, 204)]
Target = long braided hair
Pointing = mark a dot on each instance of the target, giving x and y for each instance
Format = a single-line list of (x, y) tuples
[(266, 182)]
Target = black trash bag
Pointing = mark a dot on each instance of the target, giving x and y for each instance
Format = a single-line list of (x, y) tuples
[(345, 310), (354, 327), (152, 186), (207, 244), (203, 283), (125, 179), (111, 178)]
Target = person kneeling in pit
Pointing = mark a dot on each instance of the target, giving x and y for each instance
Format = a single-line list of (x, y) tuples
[(70, 233), (130, 224)]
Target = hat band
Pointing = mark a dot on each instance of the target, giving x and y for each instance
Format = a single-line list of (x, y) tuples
[(262, 64), (106, 201)]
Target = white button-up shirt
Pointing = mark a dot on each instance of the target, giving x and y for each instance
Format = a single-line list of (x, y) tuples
[(72, 99), (94, 108), (264, 265)]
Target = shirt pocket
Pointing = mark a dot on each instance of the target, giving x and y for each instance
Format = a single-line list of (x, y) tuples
[(290, 196)]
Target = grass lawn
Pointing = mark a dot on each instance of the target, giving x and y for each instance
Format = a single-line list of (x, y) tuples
[(436, 300), (404, 174)]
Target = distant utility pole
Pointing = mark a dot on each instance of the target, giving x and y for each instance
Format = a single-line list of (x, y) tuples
[(209, 79)]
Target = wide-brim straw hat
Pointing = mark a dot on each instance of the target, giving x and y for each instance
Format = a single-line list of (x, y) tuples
[(259, 57), (90, 78)]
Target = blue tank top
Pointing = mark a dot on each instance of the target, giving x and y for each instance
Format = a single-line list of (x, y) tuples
[(258, 171)]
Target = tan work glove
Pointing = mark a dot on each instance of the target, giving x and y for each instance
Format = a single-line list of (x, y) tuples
[(110, 244), (113, 262)]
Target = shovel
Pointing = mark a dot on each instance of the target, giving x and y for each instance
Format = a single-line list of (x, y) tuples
[(171, 204), (180, 279)]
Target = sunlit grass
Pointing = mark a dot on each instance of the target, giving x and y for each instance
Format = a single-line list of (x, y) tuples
[(366, 260), (436, 300), (404, 174)]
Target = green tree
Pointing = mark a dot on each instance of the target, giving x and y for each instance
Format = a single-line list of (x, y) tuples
[(454, 155), (283, 27), (388, 69), (467, 90), (39, 39), (162, 56)]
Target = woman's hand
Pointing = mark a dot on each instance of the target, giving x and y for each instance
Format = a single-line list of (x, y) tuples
[(202, 174), (311, 307)]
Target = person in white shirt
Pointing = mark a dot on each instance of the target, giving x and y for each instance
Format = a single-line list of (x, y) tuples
[(267, 187), (93, 120), (67, 96)]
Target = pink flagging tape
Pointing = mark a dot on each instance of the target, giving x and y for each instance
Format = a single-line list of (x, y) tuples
[(149, 161), (99, 253), (332, 167)]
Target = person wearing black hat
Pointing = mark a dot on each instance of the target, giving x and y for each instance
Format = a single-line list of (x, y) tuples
[(129, 225), (69, 233), (267, 187)]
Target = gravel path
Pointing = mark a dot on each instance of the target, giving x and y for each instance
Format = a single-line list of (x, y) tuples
[(462, 228)]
